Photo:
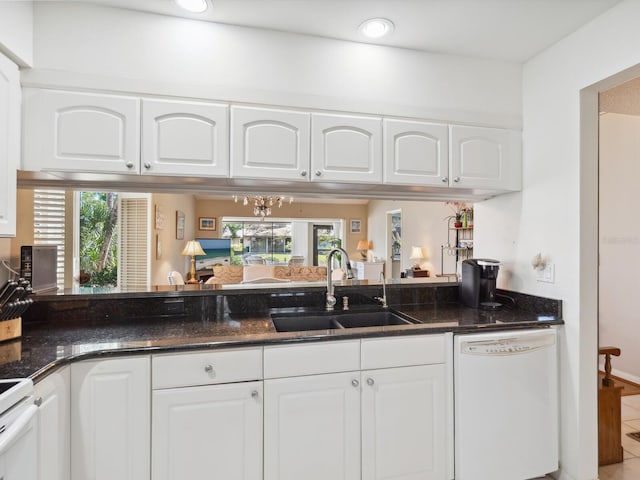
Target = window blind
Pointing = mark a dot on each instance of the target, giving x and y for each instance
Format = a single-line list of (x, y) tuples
[(49, 224), (133, 256)]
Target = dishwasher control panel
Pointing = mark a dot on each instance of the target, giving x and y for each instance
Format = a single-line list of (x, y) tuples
[(508, 346)]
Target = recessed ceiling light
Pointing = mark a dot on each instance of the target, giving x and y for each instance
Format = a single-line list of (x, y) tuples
[(376, 27), (193, 6)]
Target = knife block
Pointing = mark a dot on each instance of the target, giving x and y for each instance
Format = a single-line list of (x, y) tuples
[(10, 329)]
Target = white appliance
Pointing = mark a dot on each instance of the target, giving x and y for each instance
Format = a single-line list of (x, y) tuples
[(506, 405), (18, 431)]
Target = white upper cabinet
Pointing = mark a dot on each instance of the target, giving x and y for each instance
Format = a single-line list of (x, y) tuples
[(346, 148), (185, 138), (269, 144), (9, 144), (82, 132), (485, 158), (416, 153)]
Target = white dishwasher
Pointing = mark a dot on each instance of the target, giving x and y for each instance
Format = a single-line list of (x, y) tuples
[(506, 405)]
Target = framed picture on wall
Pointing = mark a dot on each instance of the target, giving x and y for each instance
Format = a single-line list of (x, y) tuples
[(355, 225), (207, 223), (159, 218), (179, 225)]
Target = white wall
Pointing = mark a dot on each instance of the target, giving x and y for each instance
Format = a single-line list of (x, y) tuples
[(423, 225), (556, 212), (118, 49), (16, 31), (620, 240)]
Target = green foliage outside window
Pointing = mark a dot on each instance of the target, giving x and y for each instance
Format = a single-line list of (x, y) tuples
[(98, 239)]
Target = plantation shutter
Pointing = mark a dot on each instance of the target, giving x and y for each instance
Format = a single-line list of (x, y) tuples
[(49, 224), (133, 252)]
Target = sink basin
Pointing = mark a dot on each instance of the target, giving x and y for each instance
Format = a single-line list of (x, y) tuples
[(297, 323), (301, 322), (371, 319)]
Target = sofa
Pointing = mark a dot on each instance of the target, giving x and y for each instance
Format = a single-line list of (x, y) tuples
[(227, 274)]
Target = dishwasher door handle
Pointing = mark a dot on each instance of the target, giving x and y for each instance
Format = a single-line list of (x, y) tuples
[(16, 428)]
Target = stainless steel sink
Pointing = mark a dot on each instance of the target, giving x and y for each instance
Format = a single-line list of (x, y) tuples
[(303, 322)]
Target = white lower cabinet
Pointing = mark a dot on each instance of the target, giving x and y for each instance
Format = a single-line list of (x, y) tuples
[(212, 431), (207, 415), (110, 419), (52, 397), (312, 427), (403, 423), (389, 421)]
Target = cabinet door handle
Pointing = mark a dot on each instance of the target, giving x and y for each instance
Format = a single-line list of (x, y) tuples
[(129, 164), (303, 173), (208, 368), (355, 382), (445, 179), (318, 173), (255, 394), (370, 381), (456, 179), (147, 165), (37, 402)]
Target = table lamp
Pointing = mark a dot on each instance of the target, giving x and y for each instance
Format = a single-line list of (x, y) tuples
[(417, 255), (363, 247), (192, 249)]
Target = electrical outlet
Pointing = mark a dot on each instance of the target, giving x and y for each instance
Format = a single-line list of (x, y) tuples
[(546, 274)]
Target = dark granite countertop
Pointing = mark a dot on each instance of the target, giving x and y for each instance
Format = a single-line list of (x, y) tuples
[(47, 345)]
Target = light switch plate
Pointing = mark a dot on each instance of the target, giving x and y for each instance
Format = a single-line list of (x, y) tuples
[(547, 274)]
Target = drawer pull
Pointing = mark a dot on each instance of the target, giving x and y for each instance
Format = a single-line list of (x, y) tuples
[(208, 368)]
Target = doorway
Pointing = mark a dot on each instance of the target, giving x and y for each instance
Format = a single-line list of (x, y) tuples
[(619, 234), (323, 241)]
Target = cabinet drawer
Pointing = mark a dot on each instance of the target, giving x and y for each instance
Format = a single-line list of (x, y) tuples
[(206, 368), (402, 351), (311, 358)]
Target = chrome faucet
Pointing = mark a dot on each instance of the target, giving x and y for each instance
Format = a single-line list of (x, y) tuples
[(331, 299), (383, 299)]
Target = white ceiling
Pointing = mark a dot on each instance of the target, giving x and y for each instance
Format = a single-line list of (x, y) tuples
[(510, 30)]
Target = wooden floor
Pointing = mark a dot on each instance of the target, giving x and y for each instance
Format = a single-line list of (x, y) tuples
[(628, 388)]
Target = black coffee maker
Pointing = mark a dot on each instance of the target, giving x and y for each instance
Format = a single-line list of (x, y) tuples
[(478, 285)]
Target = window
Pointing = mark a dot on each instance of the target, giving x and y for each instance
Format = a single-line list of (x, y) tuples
[(49, 224), (269, 240)]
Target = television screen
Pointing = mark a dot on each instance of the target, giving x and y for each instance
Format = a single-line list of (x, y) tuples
[(217, 252)]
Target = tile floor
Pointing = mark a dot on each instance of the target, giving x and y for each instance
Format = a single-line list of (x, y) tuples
[(629, 469)]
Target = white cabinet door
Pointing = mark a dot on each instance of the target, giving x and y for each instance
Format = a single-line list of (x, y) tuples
[(81, 132), (416, 153), (9, 144), (54, 425), (269, 144), (403, 423), (110, 419), (312, 427), (185, 138), (346, 148), (208, 432), (485, 158)]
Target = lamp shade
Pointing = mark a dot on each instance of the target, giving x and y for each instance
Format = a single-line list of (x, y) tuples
[(363, 245), (193, 247), (416, 253)]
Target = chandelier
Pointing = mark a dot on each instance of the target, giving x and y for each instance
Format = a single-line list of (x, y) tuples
[(262, 203)]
